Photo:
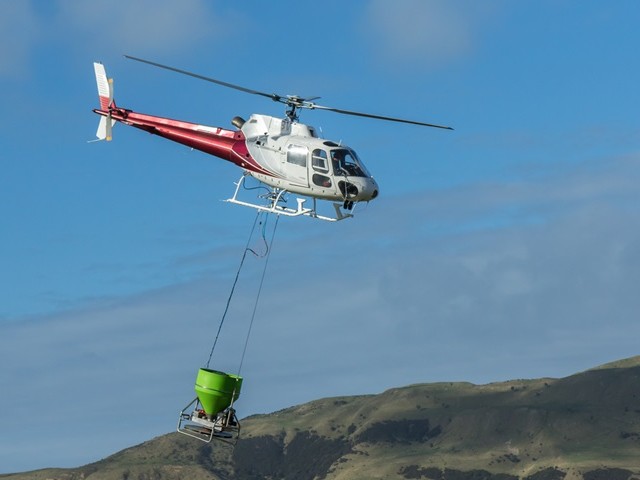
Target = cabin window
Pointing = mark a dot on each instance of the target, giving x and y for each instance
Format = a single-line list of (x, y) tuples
[(297, 155), (321, 180), (319, 160), (346, 163)]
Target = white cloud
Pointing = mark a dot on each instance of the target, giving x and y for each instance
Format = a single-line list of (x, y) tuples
[(19, 31), (141, 26), (424, 32)]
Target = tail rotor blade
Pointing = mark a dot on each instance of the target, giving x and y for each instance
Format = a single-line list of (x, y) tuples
[(110, 121), (110, 91), (109, 127)]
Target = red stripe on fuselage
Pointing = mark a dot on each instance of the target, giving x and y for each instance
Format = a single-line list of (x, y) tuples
[(229, 145)]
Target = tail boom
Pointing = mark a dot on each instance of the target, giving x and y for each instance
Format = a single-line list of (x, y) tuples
[(229, 145), (226, 144)]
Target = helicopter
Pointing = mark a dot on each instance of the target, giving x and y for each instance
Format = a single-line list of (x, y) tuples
[(282, 154)]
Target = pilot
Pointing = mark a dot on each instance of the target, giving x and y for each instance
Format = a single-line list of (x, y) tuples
[(337, 158)]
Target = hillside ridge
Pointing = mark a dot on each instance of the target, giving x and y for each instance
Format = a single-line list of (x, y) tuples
[(584, 426)]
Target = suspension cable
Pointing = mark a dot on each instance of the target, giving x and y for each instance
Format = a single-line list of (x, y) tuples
[(255, 305), (233, 287)]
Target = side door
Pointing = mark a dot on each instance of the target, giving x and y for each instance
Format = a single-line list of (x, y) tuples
[(296, 164), (319, 171)]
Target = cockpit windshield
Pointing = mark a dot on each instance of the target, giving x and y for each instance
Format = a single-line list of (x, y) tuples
[(346, 162)]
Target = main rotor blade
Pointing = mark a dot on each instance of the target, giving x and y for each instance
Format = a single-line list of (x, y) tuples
[(378, 117), (273, 96), (293, 100)]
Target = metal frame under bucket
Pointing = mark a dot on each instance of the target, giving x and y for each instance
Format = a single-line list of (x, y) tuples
[(225, 426)]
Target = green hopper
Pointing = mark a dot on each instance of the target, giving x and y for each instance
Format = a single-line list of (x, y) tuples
[(216, 390)]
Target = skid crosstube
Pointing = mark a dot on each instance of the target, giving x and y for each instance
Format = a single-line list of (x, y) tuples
[(276, 197)]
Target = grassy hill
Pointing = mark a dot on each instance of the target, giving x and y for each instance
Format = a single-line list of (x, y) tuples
[(583, 426)]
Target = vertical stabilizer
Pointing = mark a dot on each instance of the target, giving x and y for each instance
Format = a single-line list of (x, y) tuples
[(105, 87), (105, 94)]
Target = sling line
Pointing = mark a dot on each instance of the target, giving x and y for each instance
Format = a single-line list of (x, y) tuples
[(255, 305), (233, 287)]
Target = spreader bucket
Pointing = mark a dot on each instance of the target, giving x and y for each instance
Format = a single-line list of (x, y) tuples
[(216, 390)]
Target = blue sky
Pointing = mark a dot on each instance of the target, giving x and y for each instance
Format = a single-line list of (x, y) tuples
[(508, 248)]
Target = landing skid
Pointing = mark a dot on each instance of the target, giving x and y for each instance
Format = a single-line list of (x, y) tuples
[(274, 202), (224, 427)]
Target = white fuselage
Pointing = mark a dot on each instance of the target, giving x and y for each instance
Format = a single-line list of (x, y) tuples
[(298, 161)]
